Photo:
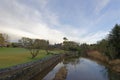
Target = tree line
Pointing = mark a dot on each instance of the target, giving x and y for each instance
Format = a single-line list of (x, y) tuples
[(109, 46)]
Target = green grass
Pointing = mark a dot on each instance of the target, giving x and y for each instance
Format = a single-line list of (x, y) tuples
[(57, 51), (13, 56)]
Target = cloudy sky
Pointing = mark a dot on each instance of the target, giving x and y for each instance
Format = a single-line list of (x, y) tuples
[(79, 20)]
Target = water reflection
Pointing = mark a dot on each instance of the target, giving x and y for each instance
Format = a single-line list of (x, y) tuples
[(61, 74), (52, 74), (52, 69), (114, 75), (86, 70), (81, 69)]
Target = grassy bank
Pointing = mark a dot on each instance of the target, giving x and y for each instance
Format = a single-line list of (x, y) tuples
[(112, 64), (14, 56)]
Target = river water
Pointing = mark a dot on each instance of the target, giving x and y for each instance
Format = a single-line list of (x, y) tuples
[(79, 69)]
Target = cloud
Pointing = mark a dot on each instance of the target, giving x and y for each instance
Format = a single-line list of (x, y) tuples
[(38, 21), (100, 5), (41, 31), (17, 32), (93, 37), (28, 22)]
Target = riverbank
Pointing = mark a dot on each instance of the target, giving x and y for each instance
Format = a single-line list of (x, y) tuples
[(80, 69), (28, 70), (112, 64)]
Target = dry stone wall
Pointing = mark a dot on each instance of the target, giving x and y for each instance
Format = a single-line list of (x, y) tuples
[(28, 70)]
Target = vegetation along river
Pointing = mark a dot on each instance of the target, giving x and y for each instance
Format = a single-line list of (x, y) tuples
[(77, 69)]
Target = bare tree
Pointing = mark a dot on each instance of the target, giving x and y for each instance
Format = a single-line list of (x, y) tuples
[(4, 40), (33, 45)]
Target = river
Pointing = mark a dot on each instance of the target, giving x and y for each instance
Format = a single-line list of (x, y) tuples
[(79, 69)]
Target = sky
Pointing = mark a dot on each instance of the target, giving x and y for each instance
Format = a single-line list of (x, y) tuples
[(83, 21)]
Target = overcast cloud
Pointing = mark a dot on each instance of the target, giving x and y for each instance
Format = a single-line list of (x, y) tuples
[(79, 20)]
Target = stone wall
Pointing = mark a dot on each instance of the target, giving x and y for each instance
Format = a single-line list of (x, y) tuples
[(28, 70)]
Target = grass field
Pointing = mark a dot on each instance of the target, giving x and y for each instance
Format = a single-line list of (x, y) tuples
[(14, 56)]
